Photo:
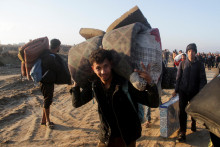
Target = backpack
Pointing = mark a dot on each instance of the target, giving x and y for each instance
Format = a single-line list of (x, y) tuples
[(36, 71)]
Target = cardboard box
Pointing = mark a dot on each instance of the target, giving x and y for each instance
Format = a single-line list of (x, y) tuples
[(169, 117)]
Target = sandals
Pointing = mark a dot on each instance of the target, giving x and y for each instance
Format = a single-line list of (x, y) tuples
[(50, 125), (43, 124)]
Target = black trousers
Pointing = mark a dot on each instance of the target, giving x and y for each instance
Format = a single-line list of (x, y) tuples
[(183, 101), (47, 90)]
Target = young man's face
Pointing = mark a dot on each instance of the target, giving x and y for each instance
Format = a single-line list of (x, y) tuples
[(183, 58), (103, 70), (191, 54)]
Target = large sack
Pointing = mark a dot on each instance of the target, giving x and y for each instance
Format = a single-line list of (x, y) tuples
[(131, 16), (88, 33), (205, 106), (178, 59), (132, 44), (78, 63), (32, 51)]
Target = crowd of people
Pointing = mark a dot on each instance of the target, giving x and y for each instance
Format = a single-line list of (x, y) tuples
[(210, 60)]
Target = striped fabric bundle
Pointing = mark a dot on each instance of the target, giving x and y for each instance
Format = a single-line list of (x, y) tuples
[(135, 43), (148, 50)]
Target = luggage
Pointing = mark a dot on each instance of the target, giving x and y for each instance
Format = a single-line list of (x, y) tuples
[(178, 59), (204, 107), (88, 33), (131, 40), (131, 16), (30, 52), (78, 63), (36, 71), (169, 117), (132, 44)]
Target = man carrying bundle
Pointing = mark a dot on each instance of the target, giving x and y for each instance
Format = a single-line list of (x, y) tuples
[(50, 66), (117, 101)]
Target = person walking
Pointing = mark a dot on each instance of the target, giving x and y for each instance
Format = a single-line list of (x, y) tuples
[(191, 78), (117, 101), (51, 65)]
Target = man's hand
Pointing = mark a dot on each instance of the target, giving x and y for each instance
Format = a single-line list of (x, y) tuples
[(145, 74)]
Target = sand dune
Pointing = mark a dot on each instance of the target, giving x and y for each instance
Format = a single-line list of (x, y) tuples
[(21, 111)]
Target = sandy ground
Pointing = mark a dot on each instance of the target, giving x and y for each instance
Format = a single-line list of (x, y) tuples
[(21, 111)]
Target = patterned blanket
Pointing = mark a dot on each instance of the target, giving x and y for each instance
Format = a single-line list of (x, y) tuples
[(78, 63), (135, 43)]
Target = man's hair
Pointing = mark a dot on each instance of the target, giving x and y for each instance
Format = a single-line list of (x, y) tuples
[(99, 56), (54, 43), (184, 54)]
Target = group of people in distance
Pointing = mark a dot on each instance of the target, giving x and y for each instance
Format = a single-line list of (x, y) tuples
[(210, 60), (118, 100)]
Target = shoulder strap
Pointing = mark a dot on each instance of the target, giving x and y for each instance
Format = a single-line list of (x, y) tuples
[(125, 89)]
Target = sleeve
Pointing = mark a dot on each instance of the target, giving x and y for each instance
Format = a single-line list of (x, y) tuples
[(178, 77), (149, 97), (81, 97), (203, 80)]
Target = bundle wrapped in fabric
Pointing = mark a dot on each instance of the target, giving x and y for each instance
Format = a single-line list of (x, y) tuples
[(133, 44), (131, 41), (178, 59), (78, 63), (30, 52), (88, 33), (204, 107), (132, 16)]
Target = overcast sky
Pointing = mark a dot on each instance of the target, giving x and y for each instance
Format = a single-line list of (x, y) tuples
[(180, 21)]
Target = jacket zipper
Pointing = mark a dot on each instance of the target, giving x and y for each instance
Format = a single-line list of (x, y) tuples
[(116, 115)]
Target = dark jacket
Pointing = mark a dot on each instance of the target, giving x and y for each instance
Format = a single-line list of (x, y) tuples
[(54, 69), (49, 61), (125, 113), (191, 77)]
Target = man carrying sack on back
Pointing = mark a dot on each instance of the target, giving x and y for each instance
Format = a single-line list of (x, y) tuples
[(50, 67), (117, 101)]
